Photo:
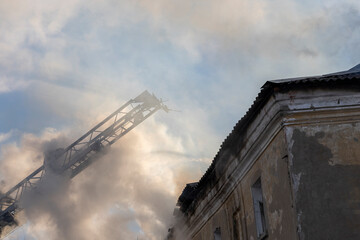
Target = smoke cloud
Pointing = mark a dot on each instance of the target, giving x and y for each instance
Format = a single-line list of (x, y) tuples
[(129, 192), (17, 160)]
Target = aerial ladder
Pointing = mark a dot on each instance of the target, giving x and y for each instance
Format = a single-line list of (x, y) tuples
[(81, 153)]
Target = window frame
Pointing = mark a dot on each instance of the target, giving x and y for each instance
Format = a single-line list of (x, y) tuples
[(259, 210)]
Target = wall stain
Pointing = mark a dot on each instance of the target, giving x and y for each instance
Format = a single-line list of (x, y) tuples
[(326, 194)]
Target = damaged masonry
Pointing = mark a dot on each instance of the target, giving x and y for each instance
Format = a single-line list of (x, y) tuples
[(290, 169)]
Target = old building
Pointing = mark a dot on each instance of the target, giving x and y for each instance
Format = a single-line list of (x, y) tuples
[(290, 169)]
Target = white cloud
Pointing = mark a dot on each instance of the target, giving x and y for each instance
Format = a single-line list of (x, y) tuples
[(9, 84)]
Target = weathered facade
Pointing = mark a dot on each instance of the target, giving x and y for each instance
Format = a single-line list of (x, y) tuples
[(290, 169)]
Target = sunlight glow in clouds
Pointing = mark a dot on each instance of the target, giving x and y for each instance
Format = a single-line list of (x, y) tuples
[(65, 65)]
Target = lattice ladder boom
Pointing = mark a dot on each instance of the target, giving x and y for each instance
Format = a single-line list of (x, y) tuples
[(81, 153)]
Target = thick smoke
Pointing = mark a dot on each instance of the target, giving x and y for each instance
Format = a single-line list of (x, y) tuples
[(18, 159), (129, 192)]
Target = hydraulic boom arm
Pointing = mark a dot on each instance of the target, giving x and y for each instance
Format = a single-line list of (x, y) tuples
[(78, 155)]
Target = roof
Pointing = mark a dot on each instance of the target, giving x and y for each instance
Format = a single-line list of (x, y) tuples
[(326, 77), (267, 90)]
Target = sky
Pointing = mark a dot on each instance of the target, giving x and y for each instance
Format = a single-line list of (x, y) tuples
[(65, 65)]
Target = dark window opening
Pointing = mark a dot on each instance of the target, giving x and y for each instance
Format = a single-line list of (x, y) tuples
[(237, 229)]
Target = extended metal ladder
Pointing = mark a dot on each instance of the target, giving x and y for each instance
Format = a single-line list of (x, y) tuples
[(80, 154)]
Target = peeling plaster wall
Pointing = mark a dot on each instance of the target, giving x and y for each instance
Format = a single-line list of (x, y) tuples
[(223, 218), (325, 173), (217, 220), (272, 167)]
